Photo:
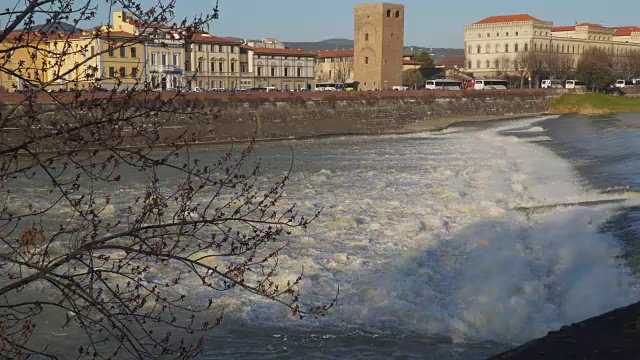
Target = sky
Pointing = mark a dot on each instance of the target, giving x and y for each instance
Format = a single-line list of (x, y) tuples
[(429, 23)]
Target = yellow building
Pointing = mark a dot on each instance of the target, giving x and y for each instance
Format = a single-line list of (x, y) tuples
[(25, 64), (96, 59)]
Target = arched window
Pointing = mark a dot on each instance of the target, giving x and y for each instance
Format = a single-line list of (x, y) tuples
[(388, 13), (562, 48), (506, 47), (366, 60), (496, 63), (478, 64), (397, 14), (546, 47), (479, 49), (497, 48), (366, 37), (488, 64), (516, 47), (488, 49), (470, 65)]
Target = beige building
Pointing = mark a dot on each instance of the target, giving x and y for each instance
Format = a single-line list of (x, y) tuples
[(379, 45), (269, 63), (334, 66), (212, 62), (498, 45)]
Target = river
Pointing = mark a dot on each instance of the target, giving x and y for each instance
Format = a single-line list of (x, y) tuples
[(430, 241)]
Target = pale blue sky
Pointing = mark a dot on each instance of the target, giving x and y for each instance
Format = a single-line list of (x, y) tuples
[(428, 22)]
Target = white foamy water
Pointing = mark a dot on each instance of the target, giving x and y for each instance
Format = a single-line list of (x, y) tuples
[(420, 234)]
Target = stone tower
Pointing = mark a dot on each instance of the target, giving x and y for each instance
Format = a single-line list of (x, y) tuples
[(379, 45)]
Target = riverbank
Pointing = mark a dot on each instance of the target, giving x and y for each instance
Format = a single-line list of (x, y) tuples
[(594, 104)]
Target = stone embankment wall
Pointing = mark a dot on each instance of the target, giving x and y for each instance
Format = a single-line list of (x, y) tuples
[(332, 114), (263, 116)]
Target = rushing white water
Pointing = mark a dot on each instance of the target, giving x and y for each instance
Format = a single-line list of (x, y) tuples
[(421, 234)]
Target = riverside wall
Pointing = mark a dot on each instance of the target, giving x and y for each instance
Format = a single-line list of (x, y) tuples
[(266, 116), (309, 115)]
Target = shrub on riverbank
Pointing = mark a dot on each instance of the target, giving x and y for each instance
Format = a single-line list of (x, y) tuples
[(594, 104)]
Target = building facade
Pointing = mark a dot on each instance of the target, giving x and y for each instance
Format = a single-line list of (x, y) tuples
[(379, 45), (212, 62), (25, 62), (270, 64), (500, 45), (334, 66)]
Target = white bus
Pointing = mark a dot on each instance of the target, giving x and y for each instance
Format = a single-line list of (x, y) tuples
[(551, 84), (627, 83), (574, 84), (443, 84), (490, 84)]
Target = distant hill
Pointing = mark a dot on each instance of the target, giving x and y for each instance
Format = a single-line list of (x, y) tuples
[(56, 27), (439, 54)]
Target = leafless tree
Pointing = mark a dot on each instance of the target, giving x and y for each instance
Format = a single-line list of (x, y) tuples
[(627, 65), (413, 79), (76, 255), (505, 65)]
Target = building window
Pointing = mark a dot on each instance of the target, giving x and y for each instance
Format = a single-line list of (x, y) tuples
[(496, 63), (497, 34), (213, 66), (479, 49), (330, 74), (506, 47), (497, 48), (134, 53), (488, 49), (273, 70), (154, 59), (221, 84), (546, 47), (479, 36), (286, 71), (233, 67), (478, 64), (111, 50), (366, 37), (164, 60), (515, 47), (469, 64), (243, 68), (487, 64), (134, 72), (199, 47), (123, 52), (397, 14), (176, 59), (220, 67), (366, 60), (469, 50), (507, 34), (123, 72), (526, 47), (93, 50), (388, 13), (516, 33), (112, 72), (535, 46), (259, 70), (200, 66), (563, 48), (299, 71)]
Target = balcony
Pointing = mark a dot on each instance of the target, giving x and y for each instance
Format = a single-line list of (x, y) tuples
[(167, 69)]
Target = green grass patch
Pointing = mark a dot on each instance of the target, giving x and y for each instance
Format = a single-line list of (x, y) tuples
[(594, 104)]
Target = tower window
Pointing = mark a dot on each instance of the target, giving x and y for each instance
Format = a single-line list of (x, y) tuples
[(366, 37), (366, 60), (388, 13), (397, 14)]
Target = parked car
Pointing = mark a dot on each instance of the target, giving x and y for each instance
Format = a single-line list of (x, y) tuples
[(400, 88), (198, 89)]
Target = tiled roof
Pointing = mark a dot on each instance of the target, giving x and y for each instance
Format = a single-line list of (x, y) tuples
[(117, 34), (590, 25), (626, 30), (563, 28), (204, 37), (270, 51), (335, 53), (507, 18)]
